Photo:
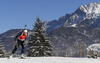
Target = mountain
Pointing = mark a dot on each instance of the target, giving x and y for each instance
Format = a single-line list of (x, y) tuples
[(54, 24), (79, 30), (70, 33), (86, 15), (67, 41)]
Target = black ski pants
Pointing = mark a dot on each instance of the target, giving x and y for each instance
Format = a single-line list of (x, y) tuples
[(19, 42)]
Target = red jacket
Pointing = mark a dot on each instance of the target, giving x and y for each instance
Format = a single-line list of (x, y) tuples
[(21, 36)]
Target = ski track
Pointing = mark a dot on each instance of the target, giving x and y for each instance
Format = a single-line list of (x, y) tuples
[(50, 60)]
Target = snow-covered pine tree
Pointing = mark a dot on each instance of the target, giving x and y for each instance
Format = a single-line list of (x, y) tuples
[(92, 53), (2, 51), (39, 45)]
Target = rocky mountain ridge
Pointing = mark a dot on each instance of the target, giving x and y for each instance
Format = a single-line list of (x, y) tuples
[(85, 15)]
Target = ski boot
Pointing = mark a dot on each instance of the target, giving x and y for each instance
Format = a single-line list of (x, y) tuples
[(10, 56), (22, 56)]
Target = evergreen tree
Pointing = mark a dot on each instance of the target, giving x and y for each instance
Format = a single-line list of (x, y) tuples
[(39, 45), (92, 53), (2, 51)]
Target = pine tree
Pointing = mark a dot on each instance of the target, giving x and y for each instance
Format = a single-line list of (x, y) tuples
[(39, 45), (92, 53), (2, 51)]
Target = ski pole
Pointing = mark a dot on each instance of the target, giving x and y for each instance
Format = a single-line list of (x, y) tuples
[(25, 27), (11, 43)]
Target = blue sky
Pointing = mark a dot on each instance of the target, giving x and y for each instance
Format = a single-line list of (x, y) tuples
[(14, 14)]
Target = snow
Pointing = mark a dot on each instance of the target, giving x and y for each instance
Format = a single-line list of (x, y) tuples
[(12, 36), (50, 60), (73, 25), (94, 47), (92, 10)]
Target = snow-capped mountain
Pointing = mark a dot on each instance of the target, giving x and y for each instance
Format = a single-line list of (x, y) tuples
[(80, 27), (90, 13), (85, 15), (91, 10)]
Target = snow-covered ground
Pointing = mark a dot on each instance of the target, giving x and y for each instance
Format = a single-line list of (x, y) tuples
[(50, 60)]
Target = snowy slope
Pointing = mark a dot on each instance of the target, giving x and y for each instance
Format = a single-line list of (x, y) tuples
[(49, 60)]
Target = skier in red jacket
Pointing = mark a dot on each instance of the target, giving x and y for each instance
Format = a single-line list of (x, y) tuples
[(21, 37)]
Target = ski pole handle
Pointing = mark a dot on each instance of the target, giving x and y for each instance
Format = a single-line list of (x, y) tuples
[(25, 26)]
